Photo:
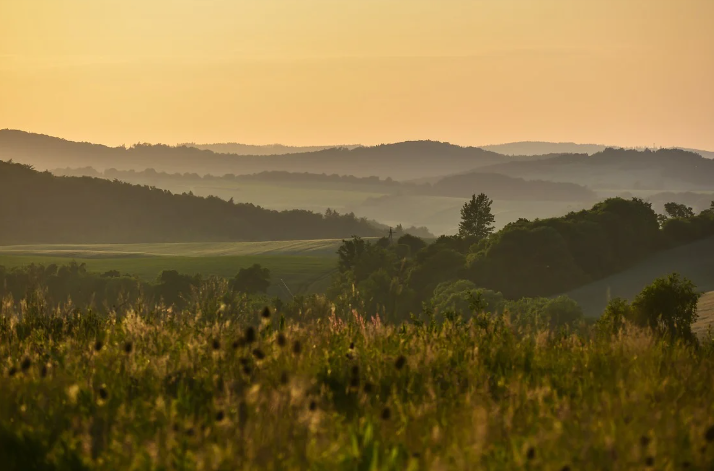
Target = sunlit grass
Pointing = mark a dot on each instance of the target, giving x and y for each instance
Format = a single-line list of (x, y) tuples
[(217, 390)]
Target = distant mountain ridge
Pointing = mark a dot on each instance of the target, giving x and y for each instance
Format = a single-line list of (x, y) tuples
[(533, 148), (404, 160), (664, 169), (270, 149)]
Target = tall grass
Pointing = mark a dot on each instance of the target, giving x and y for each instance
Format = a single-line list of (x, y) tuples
[(156, 389)]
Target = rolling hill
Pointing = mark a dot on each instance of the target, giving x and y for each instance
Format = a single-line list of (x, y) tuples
[(39, 207), (665, 169), (405, 160)]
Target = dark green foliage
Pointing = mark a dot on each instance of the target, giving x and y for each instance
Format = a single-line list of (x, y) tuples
[(41, 208), (252, 280), (668, 305), (617, 312), (676, 210), (476, 218), (414, 243)]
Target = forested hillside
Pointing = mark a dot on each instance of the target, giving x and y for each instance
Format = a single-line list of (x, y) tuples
[(38, 207)]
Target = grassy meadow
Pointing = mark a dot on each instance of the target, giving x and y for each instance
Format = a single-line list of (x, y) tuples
[(304, 266), (216, 390)]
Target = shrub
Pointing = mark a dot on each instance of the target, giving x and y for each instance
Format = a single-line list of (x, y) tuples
[(668, 305)]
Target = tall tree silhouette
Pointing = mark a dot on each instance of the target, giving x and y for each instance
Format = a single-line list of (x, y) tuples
[(476, 217)]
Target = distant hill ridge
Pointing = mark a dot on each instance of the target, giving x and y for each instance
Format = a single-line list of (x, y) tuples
[(270, 149), (404, 160)]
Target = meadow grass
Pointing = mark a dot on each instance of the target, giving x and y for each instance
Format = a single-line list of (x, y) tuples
[(210, 388), (302, 274)]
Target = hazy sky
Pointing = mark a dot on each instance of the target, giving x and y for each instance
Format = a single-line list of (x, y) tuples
[(624, 72)]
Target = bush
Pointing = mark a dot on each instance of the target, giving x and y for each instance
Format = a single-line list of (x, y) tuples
[(668, 305)]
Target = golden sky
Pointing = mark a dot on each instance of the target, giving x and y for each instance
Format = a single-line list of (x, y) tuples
[(621, 72)]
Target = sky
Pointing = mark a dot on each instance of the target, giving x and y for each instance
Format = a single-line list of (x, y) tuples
[(318, 72)]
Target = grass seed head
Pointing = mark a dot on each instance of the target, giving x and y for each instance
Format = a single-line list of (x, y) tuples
[(249, 335), (709, 434)]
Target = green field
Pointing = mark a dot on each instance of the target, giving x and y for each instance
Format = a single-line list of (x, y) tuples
[(304, 266), (694, 261)]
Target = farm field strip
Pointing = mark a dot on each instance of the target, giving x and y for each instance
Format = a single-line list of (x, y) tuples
[(322, 247)]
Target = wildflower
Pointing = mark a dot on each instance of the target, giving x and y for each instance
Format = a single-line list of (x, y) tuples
[(128, 347), (401, 361), (26, 364), (386, 413), (266, 313), (220, 415), (709, 435), (98, 345), (216, 344), (530, 454), (249, 335), (313, 405), (297, 347), (258, 353), (282, 341)]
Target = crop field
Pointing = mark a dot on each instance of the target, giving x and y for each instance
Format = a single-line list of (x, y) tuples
[(694, 261), (706, 315), (304, 266)]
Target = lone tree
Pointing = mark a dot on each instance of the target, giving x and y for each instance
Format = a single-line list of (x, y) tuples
[(476, 218), (676, 210)]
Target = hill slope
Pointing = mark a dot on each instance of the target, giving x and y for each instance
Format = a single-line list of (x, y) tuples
[(533, 148), (670, 169), (41, 208), (403, 160), (695, 261)]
